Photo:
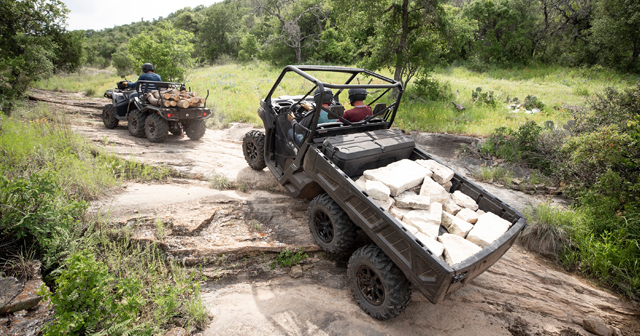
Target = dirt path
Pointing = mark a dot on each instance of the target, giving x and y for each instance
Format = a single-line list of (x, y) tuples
[(233, 232)]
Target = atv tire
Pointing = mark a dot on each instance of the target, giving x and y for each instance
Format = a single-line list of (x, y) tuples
[(253, 149), (174, 128), (379, 286), (136, 123), (330, 226), (156, 128), (195, 129), (108, 117)]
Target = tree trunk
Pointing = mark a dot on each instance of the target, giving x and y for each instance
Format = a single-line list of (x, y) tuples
[(298, 54), (402, 48)]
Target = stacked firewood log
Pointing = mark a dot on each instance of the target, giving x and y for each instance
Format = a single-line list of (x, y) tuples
[(174, 98)]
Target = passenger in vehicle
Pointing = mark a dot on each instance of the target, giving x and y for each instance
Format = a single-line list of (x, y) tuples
[(148, 74), (306, 120), (359, 110)]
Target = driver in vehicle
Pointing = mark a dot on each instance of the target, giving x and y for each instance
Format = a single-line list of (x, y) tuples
[(306, 120), (148, 74), (359, 110)]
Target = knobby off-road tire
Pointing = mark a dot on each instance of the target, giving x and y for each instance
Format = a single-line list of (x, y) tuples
[(253, 149), (195, 129), (174, 128), (330, 226), (136, 122), (156, 128), (108, 116), (379, 286)]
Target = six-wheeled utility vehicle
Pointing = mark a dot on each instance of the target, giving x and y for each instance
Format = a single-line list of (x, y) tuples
[(325, 164), (146, 119)]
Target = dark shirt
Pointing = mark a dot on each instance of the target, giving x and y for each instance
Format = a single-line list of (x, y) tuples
[(149, 76), (358, 113)]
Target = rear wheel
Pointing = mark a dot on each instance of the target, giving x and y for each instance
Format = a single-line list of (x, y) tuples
[(253, 149), (156, 128), (174, 128), (109, 116), (136, 123), (379, 286), (330, 226), (195, 129)]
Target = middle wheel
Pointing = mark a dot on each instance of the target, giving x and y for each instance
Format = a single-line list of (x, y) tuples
[(156, 128), (330, 226)]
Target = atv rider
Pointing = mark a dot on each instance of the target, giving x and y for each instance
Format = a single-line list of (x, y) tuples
[(148, 74), (359, 110), (306, 120)]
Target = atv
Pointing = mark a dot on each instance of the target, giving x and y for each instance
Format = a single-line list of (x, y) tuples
[(145, 119)]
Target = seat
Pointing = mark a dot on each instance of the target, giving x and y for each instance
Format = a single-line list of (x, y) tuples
[(379, 108)]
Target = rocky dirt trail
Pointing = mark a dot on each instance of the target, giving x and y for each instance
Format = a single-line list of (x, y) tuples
[(234, 234)]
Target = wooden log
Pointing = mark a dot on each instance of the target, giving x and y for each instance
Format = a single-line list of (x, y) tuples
[(194, 100), (166, 95), (155, 94), (183, 103), (153, 100), (166, 103), (173, 102), (203, 100)]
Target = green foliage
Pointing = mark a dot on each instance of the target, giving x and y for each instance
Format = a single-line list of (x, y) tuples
[(485, 98), (288, 258), (27, 47), (616, 33), (430, 88), (522, 146), (167, 48)]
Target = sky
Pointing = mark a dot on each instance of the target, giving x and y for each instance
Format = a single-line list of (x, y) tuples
[(93, 14)]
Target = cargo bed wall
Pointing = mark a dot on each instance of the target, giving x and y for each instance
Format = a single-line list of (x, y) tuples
[(428, 273)]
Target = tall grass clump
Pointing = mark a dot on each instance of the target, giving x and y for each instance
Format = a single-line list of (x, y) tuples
[(102, 282), (595, 159)]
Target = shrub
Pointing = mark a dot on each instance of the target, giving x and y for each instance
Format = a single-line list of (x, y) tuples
[(432, 89)]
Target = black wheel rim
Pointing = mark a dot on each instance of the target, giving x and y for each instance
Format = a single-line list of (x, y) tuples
[(370, 285), (323, 226), (152, 128), (252, 151)]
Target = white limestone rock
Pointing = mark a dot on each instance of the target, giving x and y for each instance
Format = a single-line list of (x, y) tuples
[(435, 212), (397, 212), (410, 228), (488, 228), (455, 225), (399, 176), (434, 190), (432, 244), (361, 182), (468, 215), (451, 207), (377, 190), (447, 186), (480, 212), (441, 174), (457, 249), (422, 220), (416, 202), (464, 200), (386, 205)]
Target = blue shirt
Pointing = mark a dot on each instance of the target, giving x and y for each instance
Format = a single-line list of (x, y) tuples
[(324, 118), (149, 76)]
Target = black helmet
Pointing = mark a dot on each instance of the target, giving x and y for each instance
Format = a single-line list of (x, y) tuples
[(357, 95), (147, 67), (328, 96)]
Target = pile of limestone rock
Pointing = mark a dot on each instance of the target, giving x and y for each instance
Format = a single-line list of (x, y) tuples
[(417, 194)]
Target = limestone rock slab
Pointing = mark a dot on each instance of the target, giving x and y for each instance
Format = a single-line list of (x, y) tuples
[(416, 202), (464, 201), (361, 182), (28, 298), (410, 228), (488, 228), (422, 220), (596, 325), (468, 215), (377, 190), (434, 190), (10, 287), (447, 186), (441, 174), (397, 212), (451, 207), (435, 212), (399, 176), (432, 244), (456, 226), (457, 249), (386, 205)]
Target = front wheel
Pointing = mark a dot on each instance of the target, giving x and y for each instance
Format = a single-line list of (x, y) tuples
[(136, 123), (379, 286), (330, 226), (253, 149), (156, 128), (195, 129), (108, 116)]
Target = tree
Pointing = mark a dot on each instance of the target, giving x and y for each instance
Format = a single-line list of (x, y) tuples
[(69, 53), (27, 47), (167, 48), (616, 32), (291, 14), (406, 35), (218, 30)]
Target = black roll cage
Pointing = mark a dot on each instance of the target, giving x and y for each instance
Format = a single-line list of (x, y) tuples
[(302, 71)]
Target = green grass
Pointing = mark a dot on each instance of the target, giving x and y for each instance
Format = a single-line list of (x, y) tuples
[(235, 91)]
